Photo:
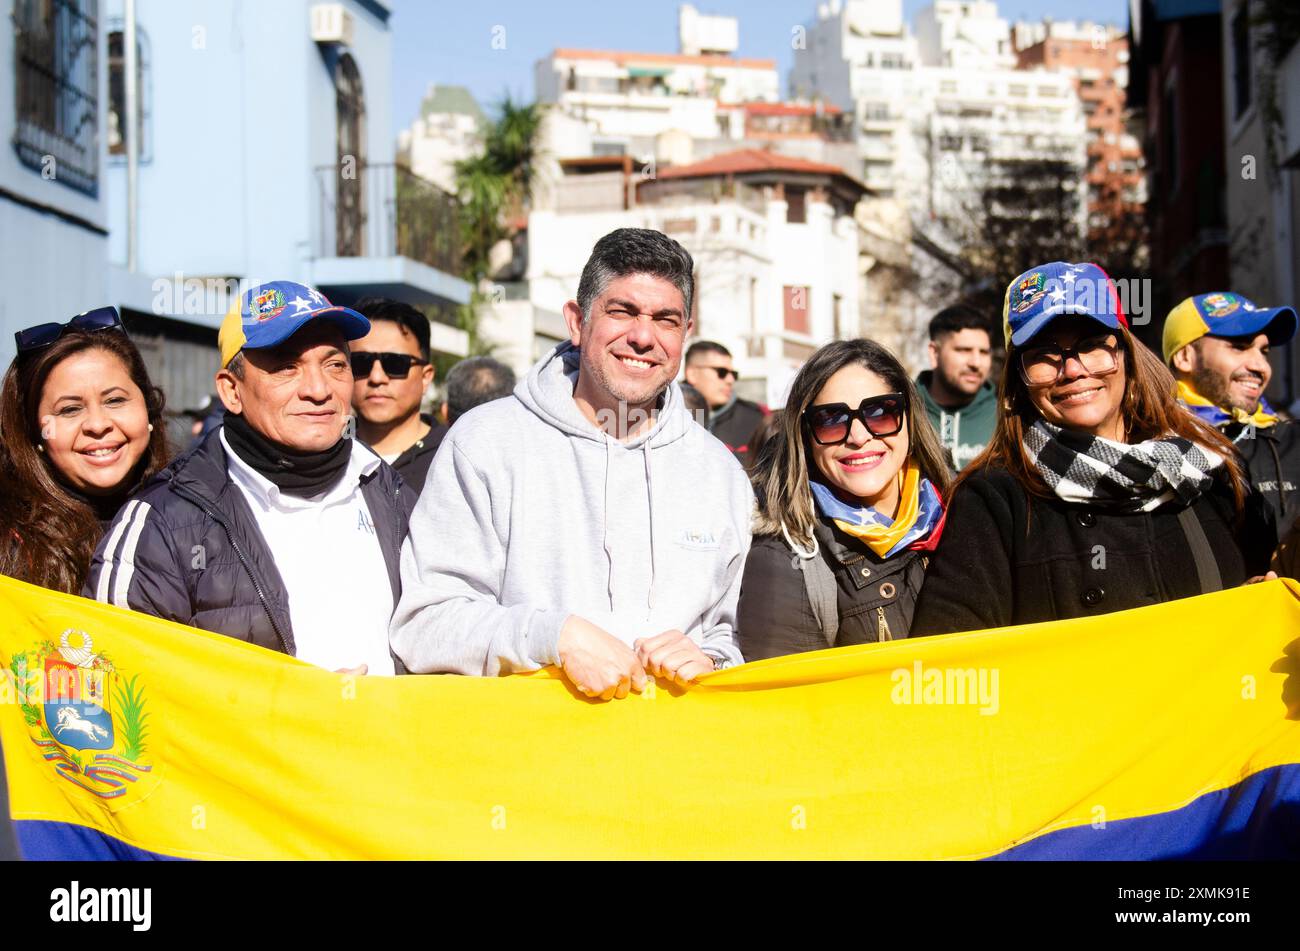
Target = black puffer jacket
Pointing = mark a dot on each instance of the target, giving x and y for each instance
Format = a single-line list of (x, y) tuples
[(186, 548), (875, 597), (1006, 558)]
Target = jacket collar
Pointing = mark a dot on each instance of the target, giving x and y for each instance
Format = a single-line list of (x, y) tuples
[(425, 444), (847, 550)]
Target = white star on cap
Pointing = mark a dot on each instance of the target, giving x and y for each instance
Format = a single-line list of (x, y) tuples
[(301, 304), (1069, 278), (317, 296), (1057, 295)]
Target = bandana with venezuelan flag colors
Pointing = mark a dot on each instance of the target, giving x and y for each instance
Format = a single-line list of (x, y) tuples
[(1215, 415), (919, 521)]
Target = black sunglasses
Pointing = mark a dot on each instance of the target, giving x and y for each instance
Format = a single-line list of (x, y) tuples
[(43, 335), (397, 366), (830, 423), (724, 372)]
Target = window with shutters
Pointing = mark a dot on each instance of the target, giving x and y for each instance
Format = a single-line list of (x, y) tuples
[(56, 105)]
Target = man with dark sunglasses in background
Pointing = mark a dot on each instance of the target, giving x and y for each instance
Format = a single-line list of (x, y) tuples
[(392, 372), (731, 419)]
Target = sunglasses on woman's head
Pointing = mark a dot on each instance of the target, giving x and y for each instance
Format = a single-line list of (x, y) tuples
[(43, 335), (830, 423), (397, 366)]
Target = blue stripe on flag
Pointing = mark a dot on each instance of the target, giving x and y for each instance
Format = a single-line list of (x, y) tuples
[(1257, 818), (43, 840)]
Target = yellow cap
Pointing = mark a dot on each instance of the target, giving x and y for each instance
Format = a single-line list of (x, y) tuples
[(1183, 325), (230, 338), (1224, 314)]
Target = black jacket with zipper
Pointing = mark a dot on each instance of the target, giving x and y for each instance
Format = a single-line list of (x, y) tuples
[(413, 464), (1010, 558), (1272, 455), (187, 548), (875, 597)]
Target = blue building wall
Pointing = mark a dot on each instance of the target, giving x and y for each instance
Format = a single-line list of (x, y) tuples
[(52, 245), (241, 114)]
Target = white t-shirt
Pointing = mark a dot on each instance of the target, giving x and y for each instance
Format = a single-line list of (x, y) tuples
[(328, 554)]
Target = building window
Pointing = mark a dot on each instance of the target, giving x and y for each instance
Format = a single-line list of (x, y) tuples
[(116, 131), (56, 104), (796, 308), (796, 206), (349, 210), (1241, 60)]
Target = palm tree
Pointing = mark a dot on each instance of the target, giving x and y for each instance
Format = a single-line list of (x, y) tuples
[(496, 185), (495, 188)]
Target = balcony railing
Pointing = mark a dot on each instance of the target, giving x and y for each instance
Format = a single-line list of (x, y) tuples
[(384, 211)]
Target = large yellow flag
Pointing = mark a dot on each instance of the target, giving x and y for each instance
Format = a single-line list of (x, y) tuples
[(1165, 731)]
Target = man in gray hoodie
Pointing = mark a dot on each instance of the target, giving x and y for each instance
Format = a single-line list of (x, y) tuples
[(585, 521)]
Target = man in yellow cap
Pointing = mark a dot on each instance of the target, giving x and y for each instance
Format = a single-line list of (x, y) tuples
[(279, 528), (1217, 345)]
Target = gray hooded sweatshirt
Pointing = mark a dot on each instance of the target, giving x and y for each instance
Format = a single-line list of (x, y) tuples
[(531, 514)]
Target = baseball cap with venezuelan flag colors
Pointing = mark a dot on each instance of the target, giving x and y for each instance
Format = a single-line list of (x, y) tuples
[(1224, 314), (1051, 290), (270, 314)]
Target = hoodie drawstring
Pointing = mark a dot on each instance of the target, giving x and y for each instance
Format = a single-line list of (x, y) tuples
[(650, 497), (609, 555)]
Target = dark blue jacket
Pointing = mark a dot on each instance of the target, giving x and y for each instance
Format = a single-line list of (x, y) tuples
[(187, 548)]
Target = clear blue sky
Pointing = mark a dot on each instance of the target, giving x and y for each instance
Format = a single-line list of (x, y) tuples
[(451, 41)]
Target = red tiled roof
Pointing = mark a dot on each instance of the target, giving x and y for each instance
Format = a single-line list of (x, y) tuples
[(749, 160), (782, 108), (623, 58)]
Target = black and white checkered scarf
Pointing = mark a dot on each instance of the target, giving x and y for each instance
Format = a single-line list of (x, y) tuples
[(1135, 478)]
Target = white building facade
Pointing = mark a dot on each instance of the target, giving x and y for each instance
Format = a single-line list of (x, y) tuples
[(448, 130), (934, 107), (776, 251)]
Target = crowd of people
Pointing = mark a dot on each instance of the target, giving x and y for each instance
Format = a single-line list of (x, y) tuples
[(602, 517)]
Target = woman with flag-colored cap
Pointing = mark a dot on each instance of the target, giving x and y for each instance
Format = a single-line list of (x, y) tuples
[(850, 503), (1098, 492)]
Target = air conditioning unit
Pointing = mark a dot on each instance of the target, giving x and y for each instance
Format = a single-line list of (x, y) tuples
[(331, 23)]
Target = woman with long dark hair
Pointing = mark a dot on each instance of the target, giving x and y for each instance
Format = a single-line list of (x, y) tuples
[(81, 426), (850, 502), (1098, 492)]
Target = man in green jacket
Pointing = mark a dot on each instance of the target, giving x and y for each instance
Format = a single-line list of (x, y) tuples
[(958, 396)]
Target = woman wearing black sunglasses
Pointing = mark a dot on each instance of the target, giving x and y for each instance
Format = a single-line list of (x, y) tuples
[(81, 426), (850, 491), (1097, 492)]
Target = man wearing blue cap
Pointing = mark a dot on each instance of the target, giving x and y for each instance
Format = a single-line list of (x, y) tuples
[(1217, 345), (278, 529)]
